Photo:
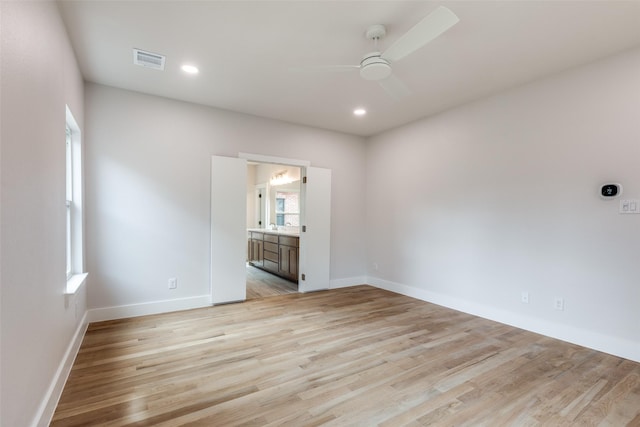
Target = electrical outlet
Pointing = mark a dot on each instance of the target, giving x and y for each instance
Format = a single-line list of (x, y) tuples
[(524, 297), (375, 266), (558, 304), (173, 283)]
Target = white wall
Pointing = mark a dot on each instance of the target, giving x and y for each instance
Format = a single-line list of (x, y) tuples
[(473, 206), (148, 173), (38, 323)]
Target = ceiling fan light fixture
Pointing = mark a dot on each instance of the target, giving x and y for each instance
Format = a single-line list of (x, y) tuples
[(376, 66), (373, 67)]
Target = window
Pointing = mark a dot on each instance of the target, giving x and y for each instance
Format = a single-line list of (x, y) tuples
[(69, 197), (280, 211), (73, 202), (288, 208)]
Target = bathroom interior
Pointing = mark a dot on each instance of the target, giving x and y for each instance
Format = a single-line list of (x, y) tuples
[(273, 229)]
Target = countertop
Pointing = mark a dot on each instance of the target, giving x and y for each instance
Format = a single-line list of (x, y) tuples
[(276, 232)]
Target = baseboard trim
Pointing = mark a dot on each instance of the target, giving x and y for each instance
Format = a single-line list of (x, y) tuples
[(347, 282), (612, 345), (147, 308), (50, 402)]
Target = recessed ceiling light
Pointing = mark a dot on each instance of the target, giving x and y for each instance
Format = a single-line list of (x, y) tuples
[(359, 111), (190, 69)]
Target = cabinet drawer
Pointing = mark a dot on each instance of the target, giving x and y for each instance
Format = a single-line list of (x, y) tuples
[(271, 238), (289, 241), (268, 246), (270, 265), (271, 256), (256, 236)]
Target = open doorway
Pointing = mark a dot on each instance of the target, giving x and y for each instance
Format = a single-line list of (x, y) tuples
[(274, 206), (229, 227)]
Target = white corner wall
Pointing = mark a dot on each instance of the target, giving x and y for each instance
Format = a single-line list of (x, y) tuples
[(473, 206), (148, 161), (40, 326)]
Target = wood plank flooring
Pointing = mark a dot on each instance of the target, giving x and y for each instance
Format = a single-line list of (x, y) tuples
[(346, 357), (261, 284)]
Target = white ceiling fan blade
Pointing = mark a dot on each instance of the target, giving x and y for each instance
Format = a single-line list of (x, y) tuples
[(395, 87), (325, 68), (431, 26)]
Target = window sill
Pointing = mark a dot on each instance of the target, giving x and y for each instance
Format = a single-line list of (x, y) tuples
[(75, 282)]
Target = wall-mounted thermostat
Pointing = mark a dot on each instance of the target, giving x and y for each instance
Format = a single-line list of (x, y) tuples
[(610, 190)]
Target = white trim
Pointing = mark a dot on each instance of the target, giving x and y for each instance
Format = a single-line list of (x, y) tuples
[(143, 309), (613, 345), (271, 159), (77, 199), (347, 282), (75, 282), (50, 402)]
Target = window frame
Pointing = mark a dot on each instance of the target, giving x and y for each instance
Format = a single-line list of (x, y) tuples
[(76, 276), (281, 215), (69, 198)]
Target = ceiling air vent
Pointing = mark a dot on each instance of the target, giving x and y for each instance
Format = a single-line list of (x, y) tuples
[(148, 59)]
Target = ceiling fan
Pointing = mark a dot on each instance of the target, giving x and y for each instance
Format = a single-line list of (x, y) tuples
[(376, 66)]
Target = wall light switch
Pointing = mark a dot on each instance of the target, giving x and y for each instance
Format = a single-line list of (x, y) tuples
[(630, 206), (624, 206)]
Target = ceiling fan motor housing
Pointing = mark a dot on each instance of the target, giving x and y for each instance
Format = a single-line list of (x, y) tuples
[(373, 67)]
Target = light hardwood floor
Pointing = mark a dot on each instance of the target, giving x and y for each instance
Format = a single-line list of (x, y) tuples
[(261, 284), (354, 356)]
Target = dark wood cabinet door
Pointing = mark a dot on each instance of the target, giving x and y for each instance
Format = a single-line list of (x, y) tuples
[(256, 252), (288, 262)]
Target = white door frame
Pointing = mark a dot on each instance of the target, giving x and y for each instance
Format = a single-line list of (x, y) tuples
[(318, 262), (260, 214), (259, 158)]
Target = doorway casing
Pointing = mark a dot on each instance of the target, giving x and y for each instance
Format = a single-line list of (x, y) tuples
[(228, 226)]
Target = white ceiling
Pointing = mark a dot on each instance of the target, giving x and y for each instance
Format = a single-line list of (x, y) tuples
[(246, 51)]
